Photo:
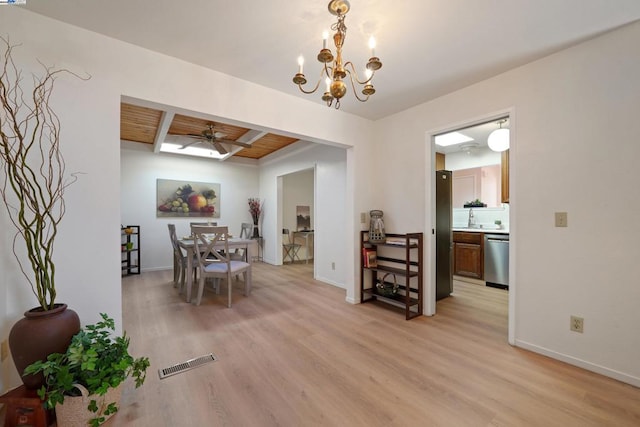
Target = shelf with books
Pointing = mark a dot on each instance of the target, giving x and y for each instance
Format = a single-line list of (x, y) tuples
[(401, 257)]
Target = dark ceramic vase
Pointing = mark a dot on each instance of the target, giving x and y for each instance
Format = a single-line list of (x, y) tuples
[(256, 233), (38, 334)]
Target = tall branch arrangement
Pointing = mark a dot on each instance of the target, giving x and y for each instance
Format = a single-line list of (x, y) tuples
[(34, 179), (255, 209)]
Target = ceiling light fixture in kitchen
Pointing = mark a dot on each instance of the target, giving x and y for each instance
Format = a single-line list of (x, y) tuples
[(333, 69), (499, 139), (451, 138)]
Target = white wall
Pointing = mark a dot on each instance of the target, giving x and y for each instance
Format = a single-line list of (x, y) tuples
[(139, 171), (89, 281), (574, 135), (331, 206)]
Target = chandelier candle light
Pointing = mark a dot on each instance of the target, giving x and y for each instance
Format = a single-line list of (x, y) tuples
[(334, 70)]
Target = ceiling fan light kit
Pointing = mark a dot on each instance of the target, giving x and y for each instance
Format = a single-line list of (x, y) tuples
[(499, 139), (334, 71)]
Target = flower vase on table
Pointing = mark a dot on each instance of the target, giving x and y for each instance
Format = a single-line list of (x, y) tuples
[(255, 209)]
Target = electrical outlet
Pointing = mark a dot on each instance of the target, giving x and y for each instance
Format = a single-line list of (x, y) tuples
[(4, 350), (577, 324), (561, 219), (333, 265), (363, 217)]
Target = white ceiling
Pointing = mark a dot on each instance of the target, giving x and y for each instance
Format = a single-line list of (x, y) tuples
[(428, 47)]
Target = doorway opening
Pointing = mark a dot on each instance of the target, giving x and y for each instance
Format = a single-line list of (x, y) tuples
[(477, 210), (297, 217)]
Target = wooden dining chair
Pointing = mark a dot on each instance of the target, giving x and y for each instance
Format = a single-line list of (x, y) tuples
[(212, 252), (179, 261), (291, 248), (245, 233), (246, 228)]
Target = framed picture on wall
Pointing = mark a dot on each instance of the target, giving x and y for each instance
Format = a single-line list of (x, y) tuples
[(187, 199), (303, 218)]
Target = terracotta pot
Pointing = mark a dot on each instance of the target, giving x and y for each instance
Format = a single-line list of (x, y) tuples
[(73, 411), (40, 333)]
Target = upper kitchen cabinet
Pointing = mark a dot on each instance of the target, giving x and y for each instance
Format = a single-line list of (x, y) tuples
[(482, 183), (505, 176), (440, 161)]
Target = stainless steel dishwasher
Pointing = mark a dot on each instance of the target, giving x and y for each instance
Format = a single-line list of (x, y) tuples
[(496, 260)]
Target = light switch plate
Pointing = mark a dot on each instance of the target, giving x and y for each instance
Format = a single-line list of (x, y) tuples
[(561, 219), (363, 217)]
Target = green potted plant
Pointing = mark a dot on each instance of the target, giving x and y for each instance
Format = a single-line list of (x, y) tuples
[(95, 361), (33, 181)]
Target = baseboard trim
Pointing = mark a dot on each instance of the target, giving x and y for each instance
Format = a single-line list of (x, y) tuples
[(602, 370), (469, 280), (329, 282)]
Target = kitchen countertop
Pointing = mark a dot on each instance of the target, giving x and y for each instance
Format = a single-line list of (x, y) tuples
[(482, 230)]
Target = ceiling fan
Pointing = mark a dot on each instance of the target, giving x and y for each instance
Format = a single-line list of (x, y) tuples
[(215, 139)]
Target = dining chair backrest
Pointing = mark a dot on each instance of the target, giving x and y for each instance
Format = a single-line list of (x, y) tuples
[(287, 233), (174, 238), (205, 239), (245, 230), (208, 224)]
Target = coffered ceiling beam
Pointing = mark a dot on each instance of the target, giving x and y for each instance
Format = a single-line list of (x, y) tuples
[(163, 128)]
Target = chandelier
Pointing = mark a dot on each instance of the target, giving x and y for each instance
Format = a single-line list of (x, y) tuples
[(334, 71)]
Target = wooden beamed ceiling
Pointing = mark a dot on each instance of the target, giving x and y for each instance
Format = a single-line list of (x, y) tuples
[(142, 124)]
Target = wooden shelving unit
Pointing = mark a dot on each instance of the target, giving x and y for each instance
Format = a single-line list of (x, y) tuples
[(130, 248), (404, 259)]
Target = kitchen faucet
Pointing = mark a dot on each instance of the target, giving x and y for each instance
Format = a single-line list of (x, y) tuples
[(472, 219)]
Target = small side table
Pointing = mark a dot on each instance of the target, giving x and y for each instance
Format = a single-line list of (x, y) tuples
[(24, 408), (258, 257)]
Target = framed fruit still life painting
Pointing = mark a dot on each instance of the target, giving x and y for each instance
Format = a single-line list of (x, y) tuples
[(187, 199)]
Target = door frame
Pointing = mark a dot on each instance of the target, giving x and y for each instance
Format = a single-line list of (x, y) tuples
[(430, 210)]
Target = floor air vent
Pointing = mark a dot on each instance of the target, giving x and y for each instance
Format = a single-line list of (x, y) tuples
[(185, 366)]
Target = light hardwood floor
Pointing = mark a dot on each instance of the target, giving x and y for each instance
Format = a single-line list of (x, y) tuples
[(294, 353)]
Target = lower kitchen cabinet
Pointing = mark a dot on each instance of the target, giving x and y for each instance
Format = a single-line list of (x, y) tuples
[(468, 254)]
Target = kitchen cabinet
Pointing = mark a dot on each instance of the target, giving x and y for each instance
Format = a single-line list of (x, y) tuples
[(468, 254), (397, 261), (504, 169), (440, 161)]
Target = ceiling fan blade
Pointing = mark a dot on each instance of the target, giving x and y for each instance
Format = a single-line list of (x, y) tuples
[(219, 147), (198, 141), (240, 144)]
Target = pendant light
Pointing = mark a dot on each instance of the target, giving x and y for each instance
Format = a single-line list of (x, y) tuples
[(499, 139)]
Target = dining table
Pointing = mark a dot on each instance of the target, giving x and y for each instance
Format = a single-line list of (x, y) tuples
[(250, 247)]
